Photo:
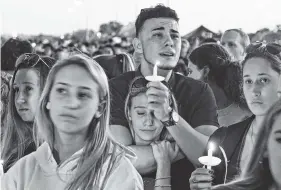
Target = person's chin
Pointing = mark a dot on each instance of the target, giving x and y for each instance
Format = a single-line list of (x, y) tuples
[(168, 65), (147, 136), (68, 128), (26, 118), (259, 111)]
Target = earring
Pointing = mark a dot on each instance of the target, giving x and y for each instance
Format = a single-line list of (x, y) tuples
[(48, 106)]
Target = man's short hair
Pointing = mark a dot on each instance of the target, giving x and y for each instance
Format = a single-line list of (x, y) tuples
[(160, 11), (245, 40)]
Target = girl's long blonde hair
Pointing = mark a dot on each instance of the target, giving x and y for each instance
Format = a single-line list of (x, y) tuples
[(17, 134), (97, 147)]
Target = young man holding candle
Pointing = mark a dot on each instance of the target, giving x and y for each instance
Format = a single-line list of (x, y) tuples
[(158, 40)]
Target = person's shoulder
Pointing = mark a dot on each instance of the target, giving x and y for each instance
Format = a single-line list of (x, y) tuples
[(26, 163), (241, 124), (125, 77), (232, 131), (128, 176), (128, 172), (104, 58), (190, 83)]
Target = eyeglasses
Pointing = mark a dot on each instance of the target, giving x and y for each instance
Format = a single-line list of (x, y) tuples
[(138, 85), (139, 82), (272, 48), (30, 59)]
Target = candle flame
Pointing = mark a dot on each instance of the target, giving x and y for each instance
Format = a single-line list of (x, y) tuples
[(155, 68), (157, 63), (212, 146)]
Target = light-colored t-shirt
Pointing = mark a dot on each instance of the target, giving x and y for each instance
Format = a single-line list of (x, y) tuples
[(232, 114), (248, 147)]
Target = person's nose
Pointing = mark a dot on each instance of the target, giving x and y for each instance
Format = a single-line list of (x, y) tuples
[(72, 102), (169, 41), (20, 97), (149, 120), (256, 90)]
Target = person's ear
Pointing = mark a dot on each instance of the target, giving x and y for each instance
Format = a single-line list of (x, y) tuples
[(205, 72), (129, 114), (265, 154), (137, 45), (48, 106), (101, 109)]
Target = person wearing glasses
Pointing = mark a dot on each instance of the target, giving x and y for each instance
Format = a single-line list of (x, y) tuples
[(212, 64), (75, 150), (261, 87), (26, 87), (158, 40)]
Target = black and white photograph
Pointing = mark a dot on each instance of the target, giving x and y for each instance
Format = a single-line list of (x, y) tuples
[(140, 95)]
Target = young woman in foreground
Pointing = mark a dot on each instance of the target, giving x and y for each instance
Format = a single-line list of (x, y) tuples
[(72, 124)]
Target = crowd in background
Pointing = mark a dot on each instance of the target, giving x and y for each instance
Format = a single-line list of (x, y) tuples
[(58, 46), (219, 88)]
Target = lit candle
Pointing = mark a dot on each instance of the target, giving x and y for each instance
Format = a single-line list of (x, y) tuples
[(155, 68), (154, 77), (210, 155), (1, 168)]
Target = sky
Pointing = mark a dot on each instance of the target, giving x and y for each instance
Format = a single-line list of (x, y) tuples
[(63, 16)]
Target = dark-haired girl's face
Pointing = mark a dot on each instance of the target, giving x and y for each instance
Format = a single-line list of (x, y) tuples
[(260, 85), (194, 71), (274, 150), (27, 93)]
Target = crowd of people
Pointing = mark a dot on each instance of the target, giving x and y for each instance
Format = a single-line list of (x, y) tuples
[(85, 116)]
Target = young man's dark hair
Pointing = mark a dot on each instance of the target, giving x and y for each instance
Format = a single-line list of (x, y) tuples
[(160, 11), (158, 40)]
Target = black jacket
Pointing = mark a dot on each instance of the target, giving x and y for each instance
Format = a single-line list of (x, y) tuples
[(231, 139)]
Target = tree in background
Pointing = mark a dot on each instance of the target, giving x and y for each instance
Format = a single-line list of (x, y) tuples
[(111, 28)]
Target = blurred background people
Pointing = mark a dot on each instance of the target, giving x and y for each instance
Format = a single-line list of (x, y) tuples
[(212, 64), (261, 87), (235, 41)]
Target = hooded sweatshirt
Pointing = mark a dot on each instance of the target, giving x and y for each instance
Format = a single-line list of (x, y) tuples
[(40, 171)]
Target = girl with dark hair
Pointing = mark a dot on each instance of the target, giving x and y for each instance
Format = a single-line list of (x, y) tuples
[(26, 86), (263, 169), (211, 63), (241, 142)]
